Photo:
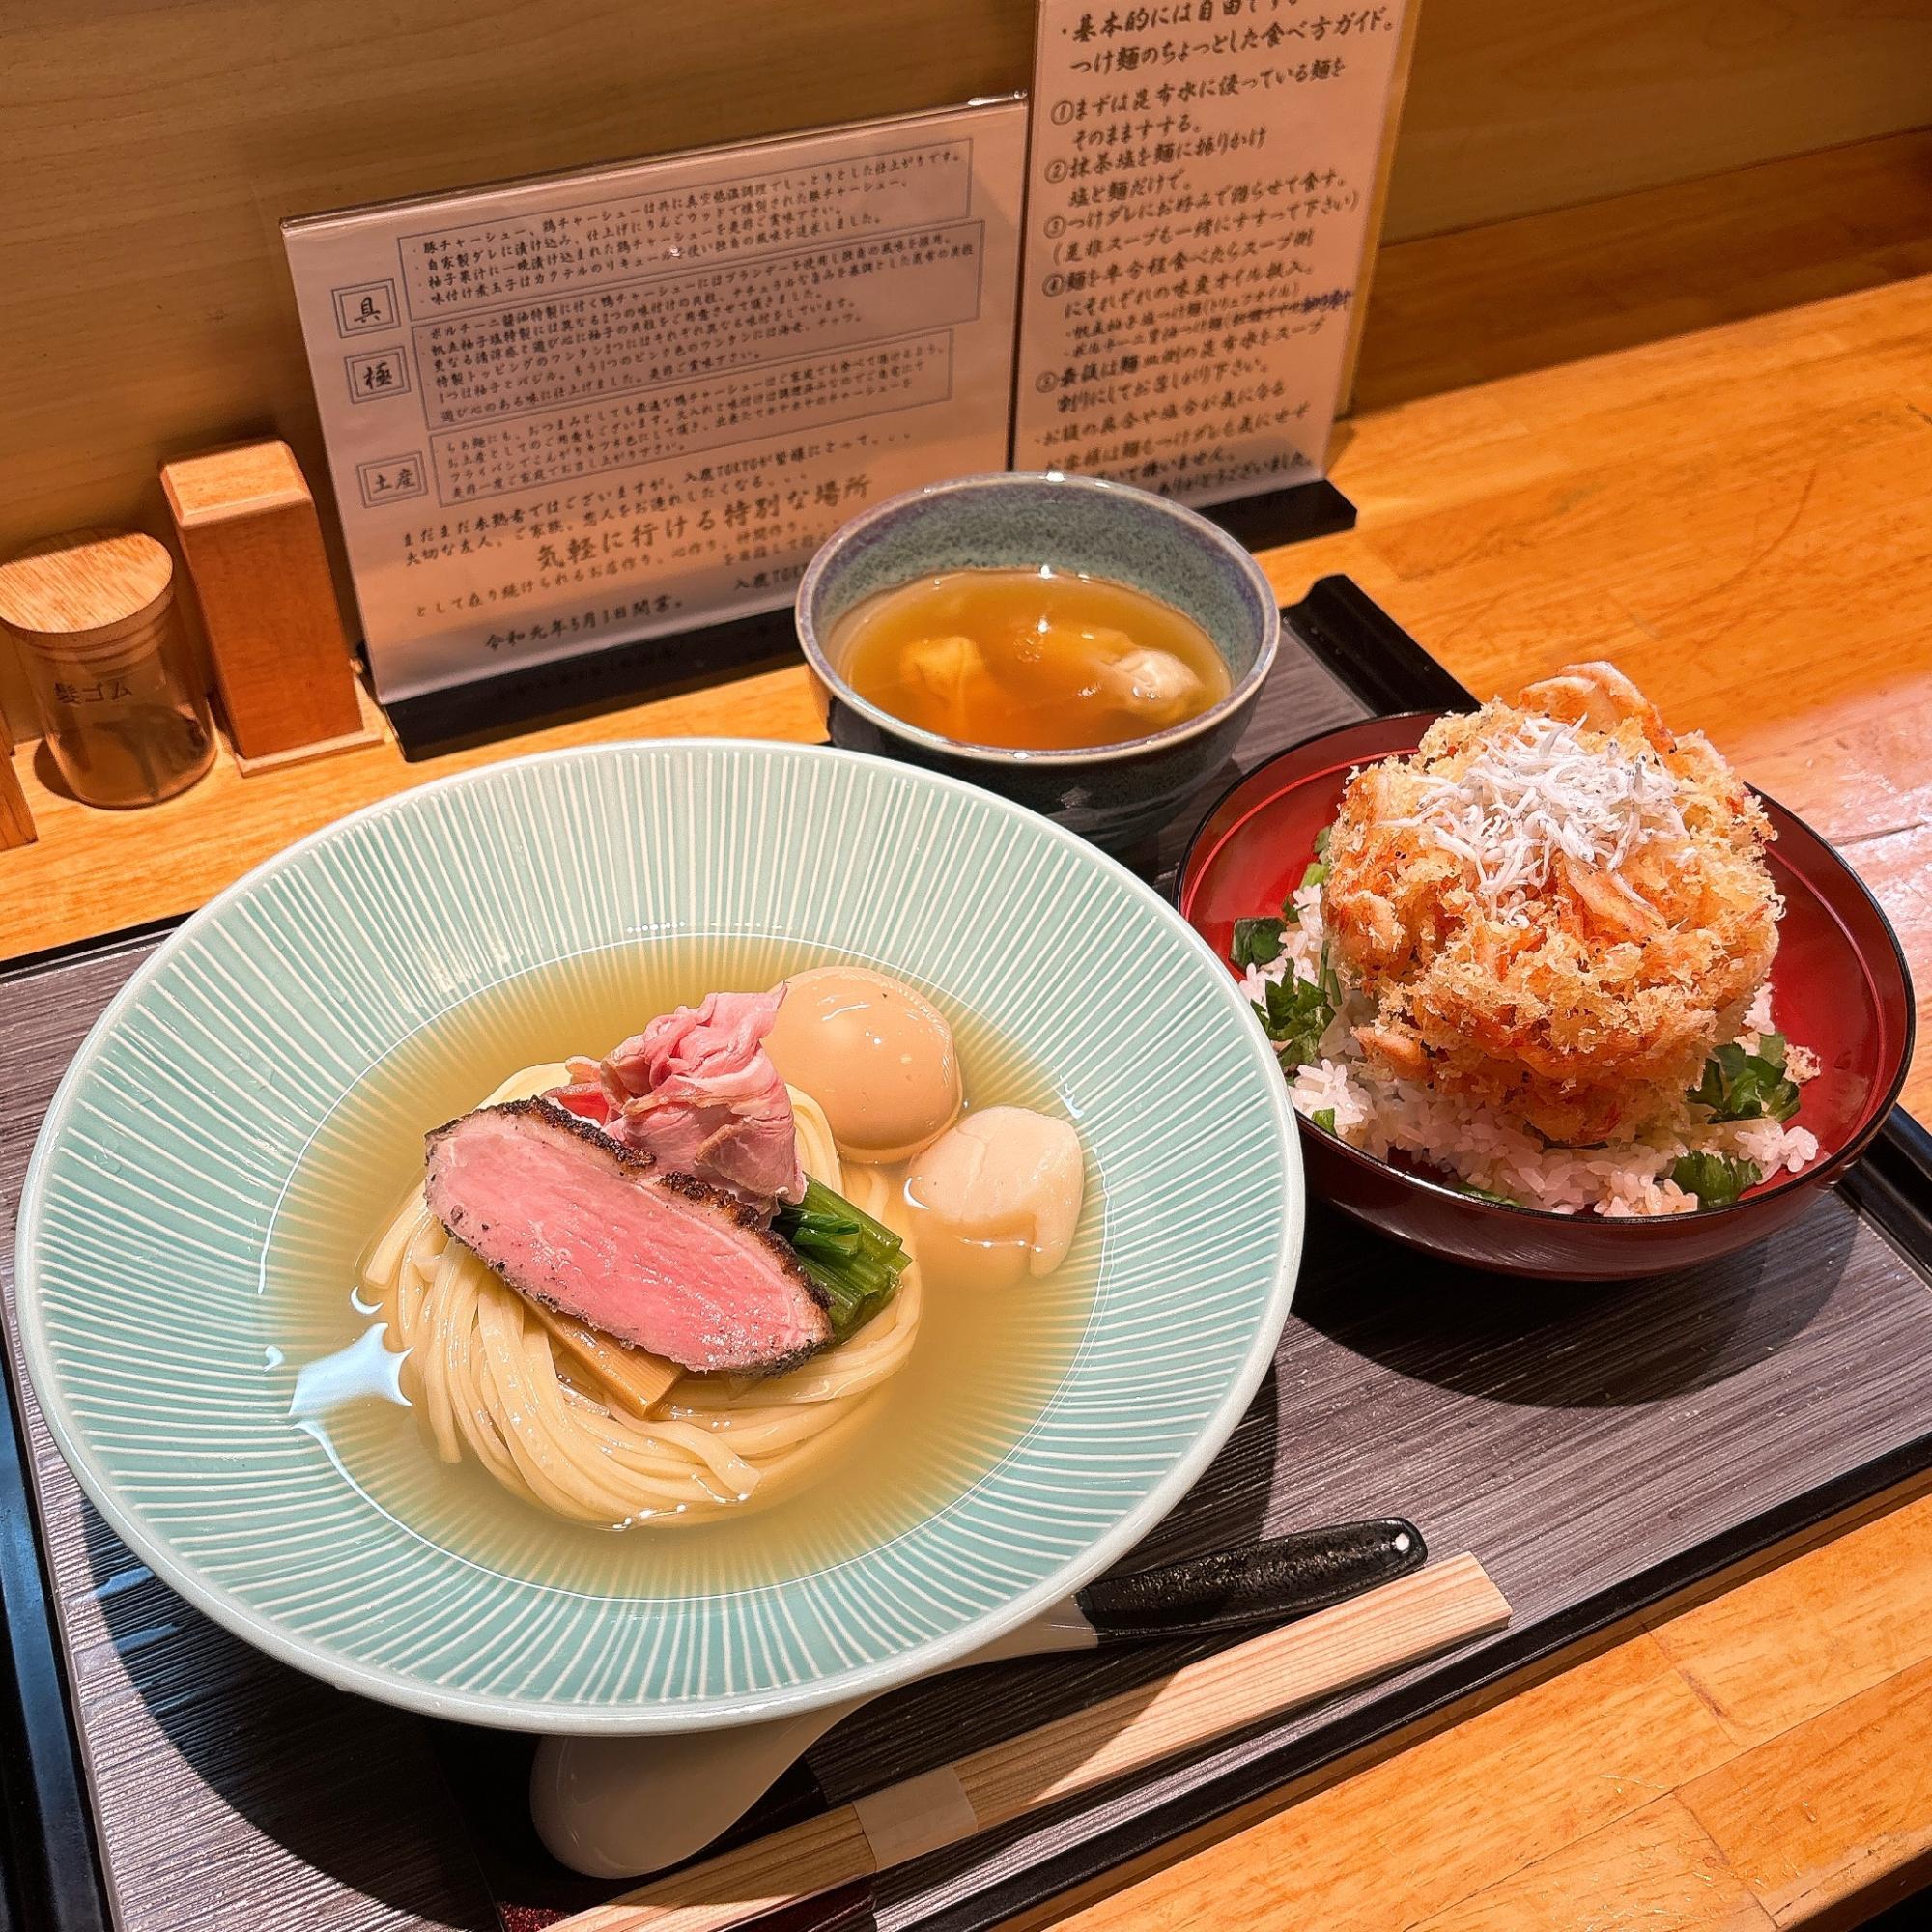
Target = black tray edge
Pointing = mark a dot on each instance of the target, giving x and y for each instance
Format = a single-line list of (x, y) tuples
[(50, 1859), (1092, 1858), (97, 946), (48, 1856), (1891, 1184), (1364, 650)]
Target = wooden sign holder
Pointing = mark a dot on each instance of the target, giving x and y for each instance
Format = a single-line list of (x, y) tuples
[(16, 820), (247, 527)]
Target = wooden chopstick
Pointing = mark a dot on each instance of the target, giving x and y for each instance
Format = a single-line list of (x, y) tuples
[(1367, 1636)]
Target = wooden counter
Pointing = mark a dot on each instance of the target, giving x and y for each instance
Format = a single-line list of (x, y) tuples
[(1739, 515)]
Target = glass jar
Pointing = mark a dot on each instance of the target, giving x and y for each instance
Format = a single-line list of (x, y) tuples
[(105, 649)]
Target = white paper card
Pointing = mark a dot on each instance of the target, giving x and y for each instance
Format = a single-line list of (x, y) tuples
[(1200, 188), (600, 407)]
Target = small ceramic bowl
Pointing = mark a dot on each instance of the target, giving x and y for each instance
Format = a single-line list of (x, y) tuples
[(1113, 794), (1839, 985)]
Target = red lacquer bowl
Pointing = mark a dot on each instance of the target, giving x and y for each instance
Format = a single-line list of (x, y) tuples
[(1840, 985)]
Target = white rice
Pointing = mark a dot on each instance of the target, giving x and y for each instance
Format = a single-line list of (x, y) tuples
[(1491, 1152)]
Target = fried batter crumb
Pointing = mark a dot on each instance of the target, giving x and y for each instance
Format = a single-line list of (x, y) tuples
[(1554, 905)]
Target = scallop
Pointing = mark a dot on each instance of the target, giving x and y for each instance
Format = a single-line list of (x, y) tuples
[(876, 1054), (997, 1199)]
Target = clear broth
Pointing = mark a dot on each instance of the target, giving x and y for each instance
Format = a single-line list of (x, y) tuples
[(979, 1374), (1035, 660)]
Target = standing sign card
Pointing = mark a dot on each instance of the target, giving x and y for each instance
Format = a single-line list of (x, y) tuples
[(1201, 197), (596, 408)]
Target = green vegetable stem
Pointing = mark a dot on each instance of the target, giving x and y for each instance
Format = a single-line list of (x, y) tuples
[(856, 1260)]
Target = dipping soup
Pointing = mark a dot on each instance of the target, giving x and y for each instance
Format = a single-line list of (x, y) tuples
[(1028, 659)]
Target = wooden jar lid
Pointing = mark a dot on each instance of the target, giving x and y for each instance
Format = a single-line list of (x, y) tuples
[(72, 593)]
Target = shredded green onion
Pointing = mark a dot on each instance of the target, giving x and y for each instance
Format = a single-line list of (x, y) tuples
[(1484, 1194), (1716, 1180), (1295, 1013), (1741, 1086), (1256, 942)]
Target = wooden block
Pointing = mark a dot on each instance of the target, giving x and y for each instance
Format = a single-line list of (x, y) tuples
[(375, 731), (248, 528), (16, 822)]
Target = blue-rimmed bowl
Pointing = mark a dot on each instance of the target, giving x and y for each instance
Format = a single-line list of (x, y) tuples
[(1115, 794), (159, 1194)]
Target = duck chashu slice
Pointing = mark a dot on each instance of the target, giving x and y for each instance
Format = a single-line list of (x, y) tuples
[(582, 1223)]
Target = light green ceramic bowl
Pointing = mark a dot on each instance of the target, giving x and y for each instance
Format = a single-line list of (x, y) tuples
[(153, 1191)]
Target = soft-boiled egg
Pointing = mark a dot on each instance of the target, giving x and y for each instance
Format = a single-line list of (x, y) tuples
[(998, 1199), (876, 1054)]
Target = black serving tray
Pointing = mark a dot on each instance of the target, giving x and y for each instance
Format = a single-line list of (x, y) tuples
[(1600, 1449)]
